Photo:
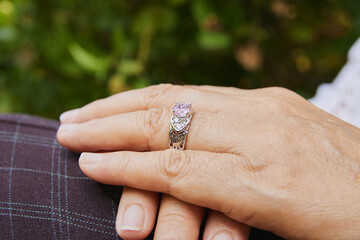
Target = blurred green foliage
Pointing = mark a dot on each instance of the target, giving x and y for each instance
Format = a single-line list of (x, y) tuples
[(60, 54)]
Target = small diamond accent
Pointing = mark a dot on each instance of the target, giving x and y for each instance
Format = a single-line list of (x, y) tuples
[(179, 123)]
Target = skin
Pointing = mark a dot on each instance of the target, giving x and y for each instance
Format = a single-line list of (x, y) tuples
[(176, 219), (265, 158)]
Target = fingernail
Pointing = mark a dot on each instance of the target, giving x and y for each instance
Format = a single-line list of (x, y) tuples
[(133, 219), (223, 236), (68, 116), (67, 127), (89, 158)]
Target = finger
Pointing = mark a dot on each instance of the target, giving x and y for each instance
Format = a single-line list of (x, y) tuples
[(191, 176), (158, 96), (178, 220), (143, 131), (128, 101), (219, 89), (218, 226), (137, 213)]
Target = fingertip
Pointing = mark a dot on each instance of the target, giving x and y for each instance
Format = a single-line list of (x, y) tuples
[(218, 227), (69, 116), (82, 163), (88, 161), (136, 214), (131, 223), (64, 134), (223, 235), (87, 158), (60, 134)]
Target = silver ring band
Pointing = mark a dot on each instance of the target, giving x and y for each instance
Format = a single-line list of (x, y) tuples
[(179, 125)]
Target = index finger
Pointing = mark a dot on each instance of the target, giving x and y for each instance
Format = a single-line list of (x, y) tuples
[(157, 96)]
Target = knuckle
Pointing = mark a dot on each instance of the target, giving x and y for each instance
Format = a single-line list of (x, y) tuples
[(151, 122), (174, 217), (152, 94), (279, 91), (283, 93), (122, 164), (171, 232), (95, 138), (172, 220), (174, 165), (285, 182), (277, 105), (272, 104)]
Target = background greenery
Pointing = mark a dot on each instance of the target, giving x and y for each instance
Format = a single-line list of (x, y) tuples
[(60, 54)]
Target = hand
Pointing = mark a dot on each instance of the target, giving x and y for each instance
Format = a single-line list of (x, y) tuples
[(266, 158), (126, 129)]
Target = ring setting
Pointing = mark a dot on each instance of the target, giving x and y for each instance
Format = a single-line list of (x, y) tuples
[(180, 124)]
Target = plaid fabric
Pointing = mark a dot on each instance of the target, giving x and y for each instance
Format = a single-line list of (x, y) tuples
[(43, 193)]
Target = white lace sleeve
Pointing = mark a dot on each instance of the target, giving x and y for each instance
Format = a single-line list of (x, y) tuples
[(342, 97)]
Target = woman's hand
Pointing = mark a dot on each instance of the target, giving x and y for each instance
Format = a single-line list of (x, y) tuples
[(131, 115), (266, 158)]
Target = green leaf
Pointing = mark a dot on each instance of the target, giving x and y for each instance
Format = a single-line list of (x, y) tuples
[(213, 40), (117, 83), (140, 82), (118, 40), (302, 34), (157, 18), (130, 67), (87, 60), (177, 2), (5, 102), (7, 34), (201, 9)]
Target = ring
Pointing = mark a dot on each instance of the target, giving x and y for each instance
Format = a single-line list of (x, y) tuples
[(179, 125)]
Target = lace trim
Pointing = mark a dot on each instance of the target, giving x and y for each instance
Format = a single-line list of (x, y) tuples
[(342, 97)]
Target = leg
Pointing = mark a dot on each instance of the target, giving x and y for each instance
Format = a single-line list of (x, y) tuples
[(43, 193)]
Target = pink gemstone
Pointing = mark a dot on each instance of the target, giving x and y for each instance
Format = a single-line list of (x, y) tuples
[(181, 109)]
